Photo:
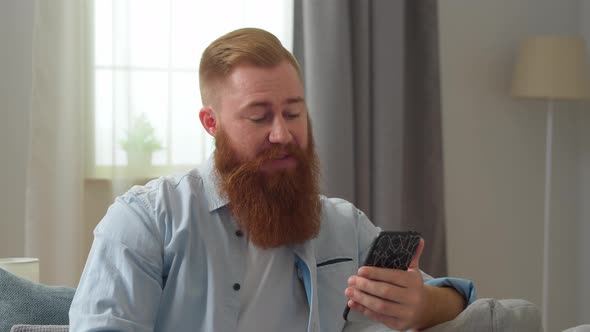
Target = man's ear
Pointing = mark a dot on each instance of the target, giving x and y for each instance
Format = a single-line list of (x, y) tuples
[(208, 120)]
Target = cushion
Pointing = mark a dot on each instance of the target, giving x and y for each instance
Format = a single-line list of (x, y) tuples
[(495, 315), (40, 328), (26, 302), (483, 315)]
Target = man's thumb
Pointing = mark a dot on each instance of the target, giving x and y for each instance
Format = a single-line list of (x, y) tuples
[(415, 263)]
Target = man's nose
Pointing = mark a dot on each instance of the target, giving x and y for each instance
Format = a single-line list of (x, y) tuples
[(279, 133)]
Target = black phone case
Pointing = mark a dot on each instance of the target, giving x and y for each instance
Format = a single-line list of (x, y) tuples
[(393, 250)]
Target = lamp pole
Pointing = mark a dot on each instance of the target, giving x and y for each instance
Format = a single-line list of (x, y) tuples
[(547, 209)]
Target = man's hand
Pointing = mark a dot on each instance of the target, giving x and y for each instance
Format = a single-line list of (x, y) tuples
[(395, 298), (399, 299)]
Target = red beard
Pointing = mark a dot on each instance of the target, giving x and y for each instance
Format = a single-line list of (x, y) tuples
[(274, 209)]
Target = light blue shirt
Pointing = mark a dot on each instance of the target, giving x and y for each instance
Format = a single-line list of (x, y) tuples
[(167, 257)]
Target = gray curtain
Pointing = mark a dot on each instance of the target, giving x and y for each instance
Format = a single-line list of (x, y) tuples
[(372, 87)]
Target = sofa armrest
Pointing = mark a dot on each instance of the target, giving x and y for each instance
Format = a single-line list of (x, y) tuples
[(26, 302), (495, 315), (40, 328)]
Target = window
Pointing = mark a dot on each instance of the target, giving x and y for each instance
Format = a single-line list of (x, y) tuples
[(146, 58)]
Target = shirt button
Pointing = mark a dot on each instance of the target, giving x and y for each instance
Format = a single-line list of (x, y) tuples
[(239, 233), (236, 287)]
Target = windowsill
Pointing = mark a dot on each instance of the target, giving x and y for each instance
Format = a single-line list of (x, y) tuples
[(150, 172)]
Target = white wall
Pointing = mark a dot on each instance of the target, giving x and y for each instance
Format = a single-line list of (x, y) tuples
[(494, 156), (584, 216), (584, 187), (16, 24)]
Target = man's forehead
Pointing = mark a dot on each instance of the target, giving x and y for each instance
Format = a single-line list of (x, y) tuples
[(248, 71), (260, 86)]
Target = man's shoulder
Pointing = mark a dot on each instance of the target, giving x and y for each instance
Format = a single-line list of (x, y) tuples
[(338, 208), (338, 213), (334, 201), (167, 182), (166, 187), (345, 232), (153, 209)]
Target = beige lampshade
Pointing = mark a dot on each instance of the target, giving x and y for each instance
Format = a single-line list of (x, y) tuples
[(552, 67)]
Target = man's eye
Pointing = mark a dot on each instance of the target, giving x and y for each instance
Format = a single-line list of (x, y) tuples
[(293, 115), (259, 119)]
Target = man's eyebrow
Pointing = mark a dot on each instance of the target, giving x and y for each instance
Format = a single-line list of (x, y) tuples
[(295, 100), (266, 104), (258, 103)]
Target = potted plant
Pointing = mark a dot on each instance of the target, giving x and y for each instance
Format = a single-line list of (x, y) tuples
[(141, 142)]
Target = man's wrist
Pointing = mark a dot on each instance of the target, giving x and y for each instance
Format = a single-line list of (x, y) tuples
[(441, 304), (426, 314)]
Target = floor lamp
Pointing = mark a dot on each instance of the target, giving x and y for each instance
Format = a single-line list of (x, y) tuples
[(551, 68)]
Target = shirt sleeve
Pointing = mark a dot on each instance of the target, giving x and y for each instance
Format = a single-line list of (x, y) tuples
[(121, 285), (464, 287)]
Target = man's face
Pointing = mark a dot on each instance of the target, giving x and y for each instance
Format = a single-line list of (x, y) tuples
[(261, 107), (264, 155)]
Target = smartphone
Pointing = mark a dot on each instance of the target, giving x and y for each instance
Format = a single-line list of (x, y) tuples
[(392, 250)]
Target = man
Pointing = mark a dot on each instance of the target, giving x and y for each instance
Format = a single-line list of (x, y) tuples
[(245, 242)]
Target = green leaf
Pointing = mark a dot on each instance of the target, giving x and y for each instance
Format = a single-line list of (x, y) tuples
[(141, 136)]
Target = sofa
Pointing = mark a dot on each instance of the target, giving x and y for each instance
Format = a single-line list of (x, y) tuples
[(31, 307)]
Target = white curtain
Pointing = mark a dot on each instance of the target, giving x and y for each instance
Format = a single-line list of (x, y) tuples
[(53, 231), (98, 67)]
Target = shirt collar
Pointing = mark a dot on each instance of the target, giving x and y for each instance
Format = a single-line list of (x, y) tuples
[(208, 172)]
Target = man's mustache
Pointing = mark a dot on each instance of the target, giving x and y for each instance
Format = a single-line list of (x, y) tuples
[(275, 151)]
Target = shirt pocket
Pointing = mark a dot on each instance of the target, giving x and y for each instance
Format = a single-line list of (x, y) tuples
[(333, 273), (333, 261), (332, 277)]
